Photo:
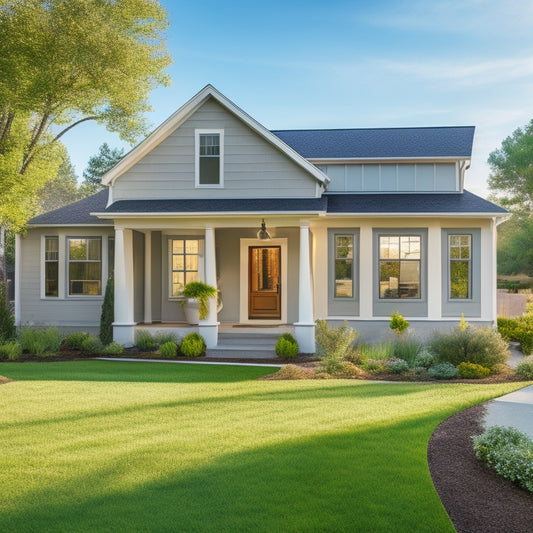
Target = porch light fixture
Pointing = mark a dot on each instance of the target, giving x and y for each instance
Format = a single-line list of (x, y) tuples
[(263, 233)]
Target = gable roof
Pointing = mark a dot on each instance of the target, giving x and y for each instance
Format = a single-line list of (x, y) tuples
[(183, 113), (76, 214), (376, 143)]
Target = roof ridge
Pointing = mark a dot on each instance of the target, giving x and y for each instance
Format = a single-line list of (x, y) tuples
[(377, 129)]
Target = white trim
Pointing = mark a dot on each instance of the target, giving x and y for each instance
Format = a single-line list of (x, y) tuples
[(197, 184), (341, 160), (434, 268), (243, 296), (148, 277), (183, 113), (18, 280)]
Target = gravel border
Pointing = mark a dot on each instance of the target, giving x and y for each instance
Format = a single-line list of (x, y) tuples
[(475, 497)]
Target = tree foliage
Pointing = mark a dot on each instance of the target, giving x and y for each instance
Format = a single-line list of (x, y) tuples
[(64, 62), (97, 166), (512, 171)]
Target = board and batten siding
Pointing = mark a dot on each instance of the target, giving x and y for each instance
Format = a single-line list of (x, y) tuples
[(253, 168), (392, 177), (82, 313)]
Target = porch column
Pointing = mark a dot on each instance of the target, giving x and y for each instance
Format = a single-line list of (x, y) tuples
[(208, 328), (148, 277), (304, 329), (123, 326)]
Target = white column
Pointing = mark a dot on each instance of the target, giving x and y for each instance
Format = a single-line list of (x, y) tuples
[(208, 328), (434, 274), (366, 272), (304, 329), (488, 272), (18, 279), (148, 277), (123, 327)]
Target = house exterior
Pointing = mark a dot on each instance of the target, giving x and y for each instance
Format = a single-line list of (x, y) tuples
[(356, 224)]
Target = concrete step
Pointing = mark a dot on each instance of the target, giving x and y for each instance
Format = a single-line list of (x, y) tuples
[(240, 352)]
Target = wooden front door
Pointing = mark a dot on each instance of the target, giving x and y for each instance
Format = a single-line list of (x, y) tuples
[(264, 282)]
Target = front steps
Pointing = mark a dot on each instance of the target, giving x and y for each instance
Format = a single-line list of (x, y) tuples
[(245, 345)]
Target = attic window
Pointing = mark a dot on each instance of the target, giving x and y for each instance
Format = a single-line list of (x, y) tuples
[(209, 158)]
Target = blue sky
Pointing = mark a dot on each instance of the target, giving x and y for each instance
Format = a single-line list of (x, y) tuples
[(336, 64)]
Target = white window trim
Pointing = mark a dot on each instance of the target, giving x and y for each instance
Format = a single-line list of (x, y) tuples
[(197, 133), (201, 263)]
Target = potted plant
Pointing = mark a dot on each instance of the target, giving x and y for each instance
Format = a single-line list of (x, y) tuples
[(196, 306)]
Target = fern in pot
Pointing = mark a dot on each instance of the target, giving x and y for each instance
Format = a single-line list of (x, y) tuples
[(197, 294)]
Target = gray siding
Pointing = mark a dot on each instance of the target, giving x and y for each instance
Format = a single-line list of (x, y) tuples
[(69, 313), (389, 177), (252, 167)]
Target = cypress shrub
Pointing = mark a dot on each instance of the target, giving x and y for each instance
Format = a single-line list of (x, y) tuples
[(108, 313)]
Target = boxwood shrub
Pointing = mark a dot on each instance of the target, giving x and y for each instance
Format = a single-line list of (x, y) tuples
[(472, 371), (286, 346), (193, 345)]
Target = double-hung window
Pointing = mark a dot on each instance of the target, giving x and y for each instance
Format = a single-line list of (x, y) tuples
[(344, 266), (51, 266), (399, 266), (185, 264), (84, 266), (460, 267), (209, 158)]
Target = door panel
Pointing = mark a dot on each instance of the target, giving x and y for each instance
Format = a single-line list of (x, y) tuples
[(264, 282)]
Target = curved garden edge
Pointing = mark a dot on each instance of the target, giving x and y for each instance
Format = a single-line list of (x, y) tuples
[(475, 497)]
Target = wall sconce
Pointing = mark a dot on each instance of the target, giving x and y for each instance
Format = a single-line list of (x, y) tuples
[(263, 233)]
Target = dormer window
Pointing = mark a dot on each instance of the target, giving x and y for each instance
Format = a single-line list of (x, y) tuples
[(209, 158)]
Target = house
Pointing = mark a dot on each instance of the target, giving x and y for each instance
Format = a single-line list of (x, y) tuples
[(290, 226)]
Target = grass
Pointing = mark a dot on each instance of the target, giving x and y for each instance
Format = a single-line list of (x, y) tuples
[(103, 446)]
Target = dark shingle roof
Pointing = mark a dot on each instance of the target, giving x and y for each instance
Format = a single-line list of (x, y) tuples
[(76, 213), (218, 205), (380, 142), (411, 203)]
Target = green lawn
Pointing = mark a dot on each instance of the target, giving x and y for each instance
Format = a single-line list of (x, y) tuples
[(115, 446)]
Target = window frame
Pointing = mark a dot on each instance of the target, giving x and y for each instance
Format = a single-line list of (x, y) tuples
[(449, 262), (68, 261), (46, 261), (197, 134), (170, 268)]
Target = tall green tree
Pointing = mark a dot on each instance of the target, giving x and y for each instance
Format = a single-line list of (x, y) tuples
[(511, 181), (64, 62), (97, 166)]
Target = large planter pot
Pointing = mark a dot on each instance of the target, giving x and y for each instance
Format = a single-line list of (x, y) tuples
[(190, 308)]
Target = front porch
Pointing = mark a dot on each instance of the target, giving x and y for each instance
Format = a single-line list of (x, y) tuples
[(264, 281)]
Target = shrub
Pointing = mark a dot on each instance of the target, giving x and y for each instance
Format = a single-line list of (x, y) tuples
[(442, 371), (93, 345), (286, 346), (406, 348), (162, 338), (144, 340), (373, 367), (396, 366), (354, 355), (193, 345), (347, 369), (107, 316), (40, 342), (10, 350), (424, 359), (75, 340), (509, 452), (7, 320), (292, 372), (525, 367), (472, 371), (168, 350), (518, 330), (113, 348), (333, 342), (506, 327), (524, 335), (484, 347), (398, 324)]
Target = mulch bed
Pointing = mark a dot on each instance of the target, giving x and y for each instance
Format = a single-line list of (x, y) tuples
[(476, 498)]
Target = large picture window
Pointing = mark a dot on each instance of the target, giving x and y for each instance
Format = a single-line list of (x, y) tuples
[(460, 257), (209, 158), (51, 266), (184, 258), (84, 266), (399, 266)]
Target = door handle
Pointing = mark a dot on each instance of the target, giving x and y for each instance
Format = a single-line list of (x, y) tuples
[(277, 288)]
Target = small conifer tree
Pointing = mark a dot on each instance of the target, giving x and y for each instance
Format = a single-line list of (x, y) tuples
[(108, 313), (7, 321)]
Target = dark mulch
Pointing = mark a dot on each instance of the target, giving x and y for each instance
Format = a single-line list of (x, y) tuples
[(475, 497)]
